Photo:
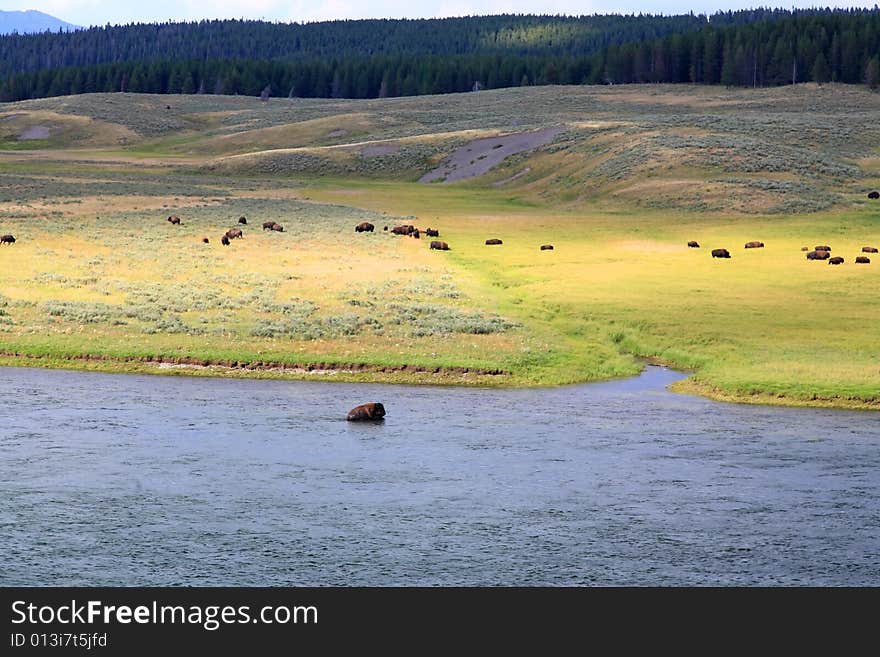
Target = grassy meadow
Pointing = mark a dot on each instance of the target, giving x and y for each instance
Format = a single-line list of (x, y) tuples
[(99, 279)]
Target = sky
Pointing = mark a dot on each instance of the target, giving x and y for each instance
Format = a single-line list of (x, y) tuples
[(101, 12)]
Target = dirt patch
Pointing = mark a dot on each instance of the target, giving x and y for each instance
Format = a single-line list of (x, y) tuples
[(479, 156), (35, 132)]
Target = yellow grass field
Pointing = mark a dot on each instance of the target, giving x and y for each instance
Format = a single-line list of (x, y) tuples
[(99, 279)]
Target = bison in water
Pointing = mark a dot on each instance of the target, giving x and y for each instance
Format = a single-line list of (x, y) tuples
[(869, 249), (822, 248), (546, 247), (720, 253), (224, 240), (836, 260), (364, 227), (863, 260), (174, 219), (371, 411), (874, 194), (7, 239), (694, 245), (242, 221), (754, 245), (432, 232), (821, 254), (232, 233), (440, 246), (493, 241)]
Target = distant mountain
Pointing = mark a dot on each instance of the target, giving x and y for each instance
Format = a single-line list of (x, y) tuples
[(31, 22)]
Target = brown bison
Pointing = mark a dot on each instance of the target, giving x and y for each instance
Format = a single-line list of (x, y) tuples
[(267, 225), (364, 227), (224, 240), (403, 230), (416, 234), (546, 247), (493, 241), (242, 221), (278, 227), (440, 246), (754, 245), (818, 255), (869, 249), (205, 240), (874, 194), (836, 260), (694, 245), (232, 233), (372, 411), (386, 228), (805, 248), (863, 260), (432, 232), (822, 248), (174, 219), (7, 239), (720, 253)]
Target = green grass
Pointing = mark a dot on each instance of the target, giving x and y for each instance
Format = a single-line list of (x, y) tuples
[(98, 272)]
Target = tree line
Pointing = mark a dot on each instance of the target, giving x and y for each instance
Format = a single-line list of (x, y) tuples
[(755, 48)]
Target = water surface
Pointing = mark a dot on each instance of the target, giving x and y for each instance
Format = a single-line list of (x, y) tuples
[(146, 480)]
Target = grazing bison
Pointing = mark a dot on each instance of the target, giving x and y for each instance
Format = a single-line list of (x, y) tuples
[(432, 232), (822, 248), (232, 233), (372, 411), (805, 248), (863, 260), (818, 255), (224, 240), (278, 227), (720, 253), (416, 234), (836, 260), (364, 227), (874, 194), (267, 225), (694, 245), (492, 241), (174, 219), (403, 230), (440, 246), (754, 245), (546, 247), (869, 249), (205, 240), (242, 221), (7, 239), (386, 228)]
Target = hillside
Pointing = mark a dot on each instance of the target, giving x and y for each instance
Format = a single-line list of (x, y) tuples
[(386, 58), (795, 149), (31, 22), (617, 179)]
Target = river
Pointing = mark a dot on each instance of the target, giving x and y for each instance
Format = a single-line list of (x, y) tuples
[(130, 480)]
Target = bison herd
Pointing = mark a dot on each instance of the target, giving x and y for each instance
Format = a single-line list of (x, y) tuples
[(819, 252)]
